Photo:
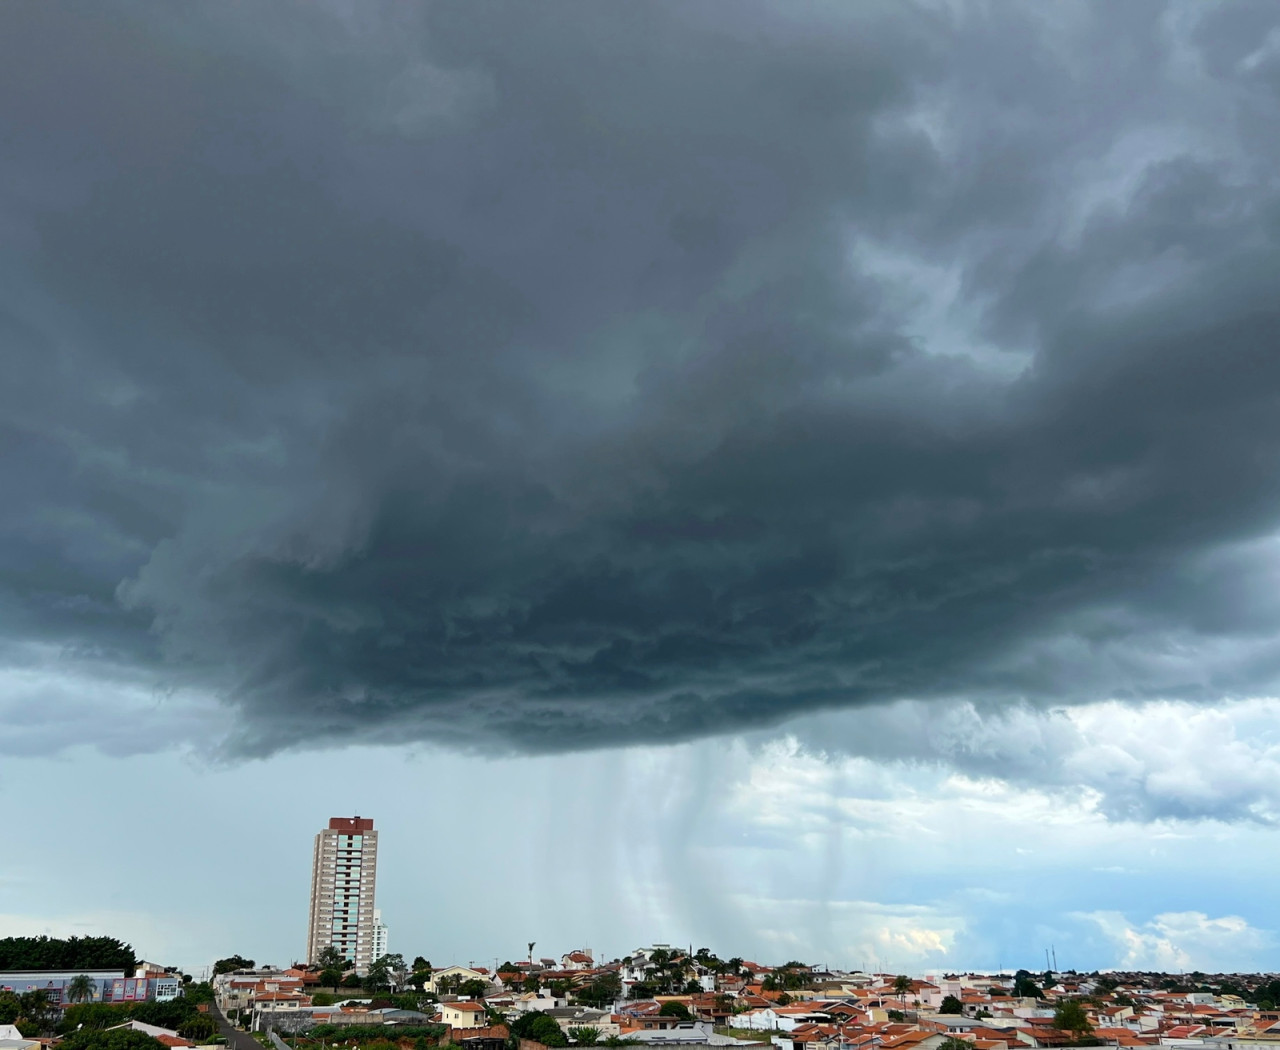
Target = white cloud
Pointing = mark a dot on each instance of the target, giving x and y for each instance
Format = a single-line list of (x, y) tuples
[(1181, 941), (865, 934), (1148, 761)]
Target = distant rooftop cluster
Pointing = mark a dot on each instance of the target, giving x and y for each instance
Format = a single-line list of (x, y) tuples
[(671, 997)]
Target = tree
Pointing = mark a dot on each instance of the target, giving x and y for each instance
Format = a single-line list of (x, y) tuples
[(1024, 985), (231, 964), (1071, 1017), (384, 972), (10, 1007), (532, 984), (81, 988), (951, 1005), (953, 1043), (539, 1027), (72, 953), (902, 985), (90, 1015), (109, 1039), (675, 1009), (198, 1028), (36, 1009), (198, 992), (585, 1036), (330, 958), (352, 980), (331, 976), (603, 990), (473, 988)]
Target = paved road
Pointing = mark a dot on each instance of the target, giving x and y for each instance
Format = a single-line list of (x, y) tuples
[(236, 1039)]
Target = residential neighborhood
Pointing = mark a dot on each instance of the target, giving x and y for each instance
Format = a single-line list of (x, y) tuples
[(659, 995)]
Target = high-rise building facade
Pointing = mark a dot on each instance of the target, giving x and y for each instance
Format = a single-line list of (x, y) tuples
[(344, 868), (379, 935)]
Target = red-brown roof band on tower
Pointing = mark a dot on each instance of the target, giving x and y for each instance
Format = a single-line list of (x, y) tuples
[(350, 823)]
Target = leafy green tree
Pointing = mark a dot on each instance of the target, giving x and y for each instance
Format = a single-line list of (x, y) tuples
[(675, 1009), (474, 988), (232, 963), (10, 1007), (331, 961), (586, 1035), (72, 953), (81, 988), (379, 976), (951, 1005), (539, 1027), (902, 985), (37, 1010), (1070, 1017), (198, 992), (352, 980), (532, 984), (92, 1015), (109, 1039), (1024, 986), (167, 1014), (198, 1028), (897, 1016), (602, 990)]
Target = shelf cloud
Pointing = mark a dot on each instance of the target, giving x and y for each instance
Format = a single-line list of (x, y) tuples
[(527, 384)]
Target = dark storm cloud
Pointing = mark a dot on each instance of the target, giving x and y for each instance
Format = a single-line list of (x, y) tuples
[(534, 379)]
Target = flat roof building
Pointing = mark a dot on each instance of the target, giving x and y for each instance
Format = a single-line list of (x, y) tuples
[(344, 869)]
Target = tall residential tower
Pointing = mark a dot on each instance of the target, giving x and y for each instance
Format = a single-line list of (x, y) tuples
[(344, 867)]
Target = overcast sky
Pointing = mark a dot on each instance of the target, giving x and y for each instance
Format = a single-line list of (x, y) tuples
[(799, 478)]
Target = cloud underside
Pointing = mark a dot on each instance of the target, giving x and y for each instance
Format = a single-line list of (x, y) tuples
[(463, 374)]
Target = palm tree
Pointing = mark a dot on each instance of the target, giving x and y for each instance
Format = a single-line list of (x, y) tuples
[(81, 988), (902, 985)]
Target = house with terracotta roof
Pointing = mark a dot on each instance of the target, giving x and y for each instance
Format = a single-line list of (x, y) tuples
[(579, 959), (463, 1014)]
